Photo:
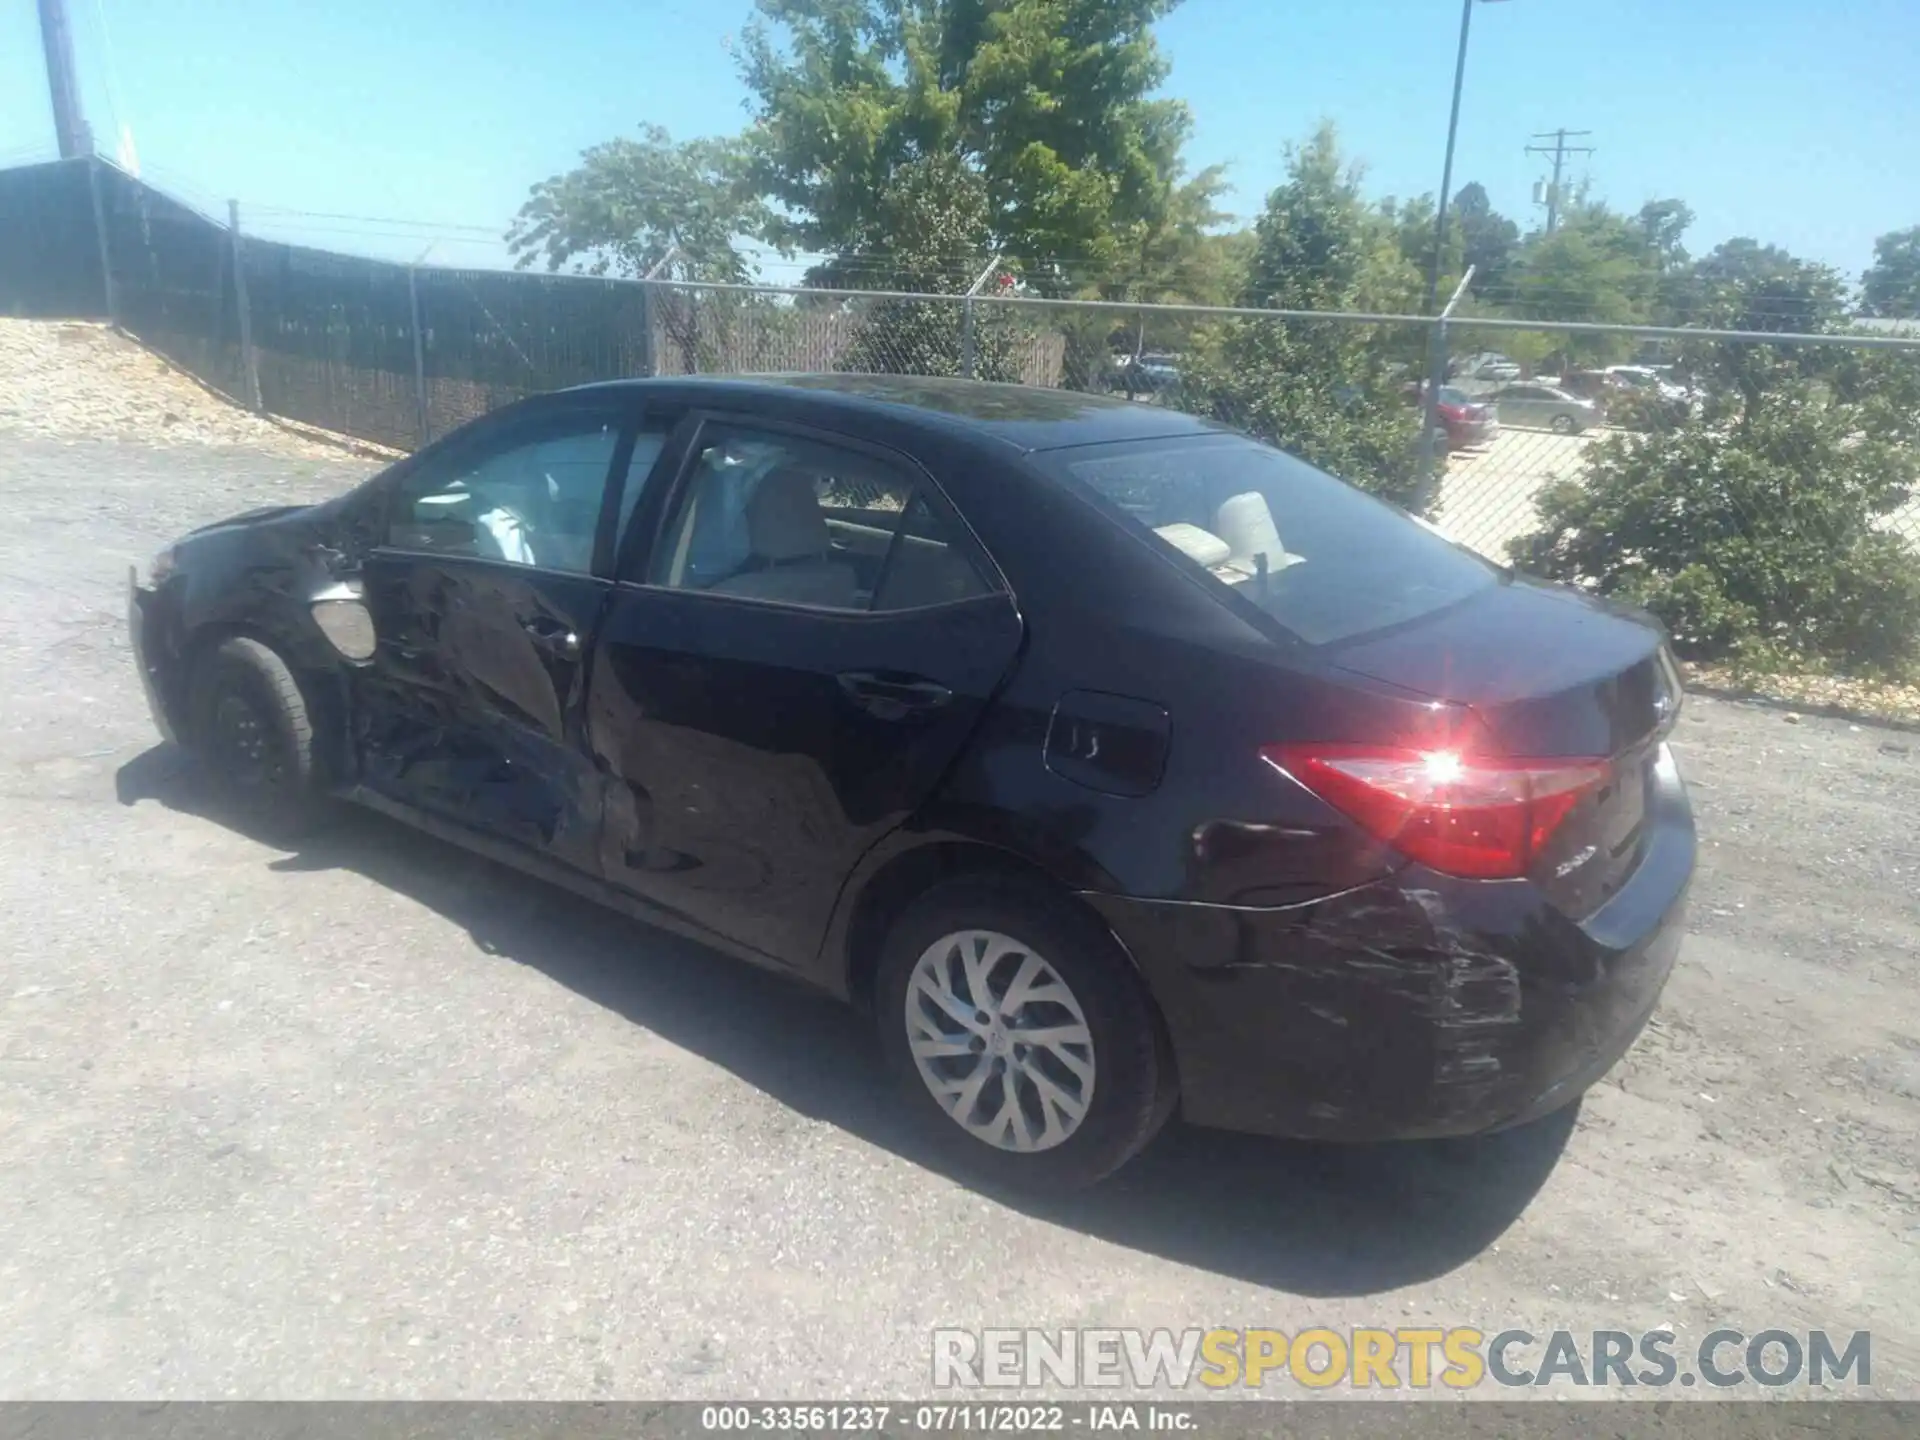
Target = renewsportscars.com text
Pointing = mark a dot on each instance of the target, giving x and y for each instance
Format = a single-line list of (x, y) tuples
[(1392, 1359)]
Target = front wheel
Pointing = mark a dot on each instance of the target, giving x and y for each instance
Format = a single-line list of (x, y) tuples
[(251, 732), (1021, 1035), (1565, 425)]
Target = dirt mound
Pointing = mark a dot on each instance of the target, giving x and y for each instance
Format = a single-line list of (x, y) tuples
[(71, 380)]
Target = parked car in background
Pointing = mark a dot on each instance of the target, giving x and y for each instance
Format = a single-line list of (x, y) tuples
[(1544, 407), (1148, 374), (1594, 385), (1488, 366), (1651, 390), (1467, 420), (1114, 762)]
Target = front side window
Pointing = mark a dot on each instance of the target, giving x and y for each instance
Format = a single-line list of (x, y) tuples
[(1323, 559), (533, 499), (806, 522)]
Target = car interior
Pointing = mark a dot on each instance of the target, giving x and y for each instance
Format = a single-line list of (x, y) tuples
[(536, 504), (811, 525)]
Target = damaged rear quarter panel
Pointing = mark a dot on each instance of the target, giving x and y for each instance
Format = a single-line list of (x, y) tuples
[(1388, 1010)]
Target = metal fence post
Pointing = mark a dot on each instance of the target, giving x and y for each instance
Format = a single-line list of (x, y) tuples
[(109, 291), (967, 345), (249, 361), (649, 361), (649, 343), (1432, 456), (421, 421)]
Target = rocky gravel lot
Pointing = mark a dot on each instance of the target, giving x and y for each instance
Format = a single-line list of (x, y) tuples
[(376, 1119)]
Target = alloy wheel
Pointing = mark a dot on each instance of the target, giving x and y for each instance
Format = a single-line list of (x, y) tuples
[(1000, 1041)]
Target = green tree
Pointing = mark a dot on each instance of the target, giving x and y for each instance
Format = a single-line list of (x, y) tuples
[(1411, 223), (631, 204), (1319, 388), (1595, 267), (1178, 258), (1663, 226), (935, 212), (1754, 525), (1488, 239), (1891, 286), (1048, 102), (1744, 285), (634, 207)]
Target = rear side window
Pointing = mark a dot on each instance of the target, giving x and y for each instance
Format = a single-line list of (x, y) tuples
[(801, 521), (1324, 559)]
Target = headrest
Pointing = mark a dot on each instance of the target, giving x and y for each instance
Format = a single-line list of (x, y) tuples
[(783, 517)]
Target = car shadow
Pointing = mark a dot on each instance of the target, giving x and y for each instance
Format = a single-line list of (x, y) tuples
[(1315, 1220)]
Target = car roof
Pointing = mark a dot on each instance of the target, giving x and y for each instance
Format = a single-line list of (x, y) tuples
[(1024, 416)]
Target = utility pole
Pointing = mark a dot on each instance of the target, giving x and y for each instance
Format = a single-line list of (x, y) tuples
[(1559, 150), (69, 125)]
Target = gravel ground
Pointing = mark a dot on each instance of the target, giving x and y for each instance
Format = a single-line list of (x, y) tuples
[(377, 1119)]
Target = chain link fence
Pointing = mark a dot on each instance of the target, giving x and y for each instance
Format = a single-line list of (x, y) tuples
[(1738, 481)]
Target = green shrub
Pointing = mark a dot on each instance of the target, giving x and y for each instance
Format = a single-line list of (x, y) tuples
[(1750, 533)]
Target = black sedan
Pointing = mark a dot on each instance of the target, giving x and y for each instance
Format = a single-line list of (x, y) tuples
[(1117, 763)]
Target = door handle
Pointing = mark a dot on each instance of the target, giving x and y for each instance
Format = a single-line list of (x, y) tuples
[(551, 635), (892, 697)]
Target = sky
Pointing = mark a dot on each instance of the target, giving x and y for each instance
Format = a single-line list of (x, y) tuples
[(407, 127)]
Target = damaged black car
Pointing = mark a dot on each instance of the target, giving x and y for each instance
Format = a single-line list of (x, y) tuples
[(1118, 764)]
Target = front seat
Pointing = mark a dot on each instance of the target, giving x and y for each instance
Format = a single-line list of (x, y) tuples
[(791, 550)]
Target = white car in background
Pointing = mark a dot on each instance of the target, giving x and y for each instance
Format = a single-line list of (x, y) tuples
[(1647, 380)]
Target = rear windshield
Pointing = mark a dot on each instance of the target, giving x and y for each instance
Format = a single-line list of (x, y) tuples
[(1338, 562)]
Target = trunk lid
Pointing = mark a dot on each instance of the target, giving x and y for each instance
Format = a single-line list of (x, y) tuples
[(1547, 673)]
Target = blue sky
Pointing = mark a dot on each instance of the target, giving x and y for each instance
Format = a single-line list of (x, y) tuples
[(1794, 121)]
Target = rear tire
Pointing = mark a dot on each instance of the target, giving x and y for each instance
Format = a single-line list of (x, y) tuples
[(1041, 1064), (251, 732)]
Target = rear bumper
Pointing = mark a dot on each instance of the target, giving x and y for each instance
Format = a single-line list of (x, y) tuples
[(146, 628), (1415, 1007)]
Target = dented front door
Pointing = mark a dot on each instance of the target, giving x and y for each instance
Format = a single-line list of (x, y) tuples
[(484, 595), (471, 704)]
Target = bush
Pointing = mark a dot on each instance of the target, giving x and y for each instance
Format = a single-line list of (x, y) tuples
[(1750, 533)]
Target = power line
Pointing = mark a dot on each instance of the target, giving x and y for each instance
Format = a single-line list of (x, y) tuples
[(434, 226)]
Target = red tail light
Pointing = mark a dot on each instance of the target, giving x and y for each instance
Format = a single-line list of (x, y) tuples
[(1478, 818)]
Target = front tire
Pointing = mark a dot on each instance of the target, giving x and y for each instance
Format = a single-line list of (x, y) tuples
[(1565, 425), (1020, 1035), (252, 734)]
